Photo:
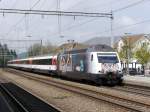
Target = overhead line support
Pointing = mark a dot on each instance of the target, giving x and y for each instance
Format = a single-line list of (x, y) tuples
[(62, 13)]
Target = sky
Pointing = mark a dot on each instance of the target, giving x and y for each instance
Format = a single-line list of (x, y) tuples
[(134, 19)]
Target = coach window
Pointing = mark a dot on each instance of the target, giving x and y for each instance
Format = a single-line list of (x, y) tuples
[(92, 57), (49, 61), (34, 62), (25, 62), (53, 61), (45, 62)]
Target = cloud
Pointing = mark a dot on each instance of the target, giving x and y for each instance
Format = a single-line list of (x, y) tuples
[(69, 4), (125, 20)]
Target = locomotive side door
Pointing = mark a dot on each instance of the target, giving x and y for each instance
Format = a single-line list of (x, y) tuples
[(91, 62)]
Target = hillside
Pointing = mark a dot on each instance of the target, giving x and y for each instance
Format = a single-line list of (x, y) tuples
[(101, 40), (68, 46)]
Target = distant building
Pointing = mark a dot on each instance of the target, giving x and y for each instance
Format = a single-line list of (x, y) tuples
[(133, 42), (130, 40), (142, 41)]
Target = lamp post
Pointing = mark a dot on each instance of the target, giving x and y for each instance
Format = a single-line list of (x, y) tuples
[(71, 42), (41, 43)]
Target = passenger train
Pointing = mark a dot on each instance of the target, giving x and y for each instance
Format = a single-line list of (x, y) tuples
[(98, 63)]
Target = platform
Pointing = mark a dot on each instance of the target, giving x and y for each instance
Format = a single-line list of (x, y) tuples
[(137, 80)]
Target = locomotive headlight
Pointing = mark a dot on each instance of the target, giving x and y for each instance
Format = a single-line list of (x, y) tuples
[(102, 71), (120, 71)]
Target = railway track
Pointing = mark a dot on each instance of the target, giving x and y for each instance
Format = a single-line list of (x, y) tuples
[(20, 100), (14, 104), (133, 105), (138, 90)]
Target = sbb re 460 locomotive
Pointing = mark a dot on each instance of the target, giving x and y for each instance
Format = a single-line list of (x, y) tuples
[(98, 63)]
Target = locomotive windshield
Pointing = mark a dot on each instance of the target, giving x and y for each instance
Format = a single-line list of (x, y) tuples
[(107, 59)]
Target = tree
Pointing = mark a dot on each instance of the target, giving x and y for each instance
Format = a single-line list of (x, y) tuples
[(6, 54), (123, 53), (37, 49), (126, 49), (49, 48), (143, 54), (14, 54), (34, 50)]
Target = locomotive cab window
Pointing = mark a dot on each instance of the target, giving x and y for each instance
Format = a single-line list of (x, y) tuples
[(107, 58)]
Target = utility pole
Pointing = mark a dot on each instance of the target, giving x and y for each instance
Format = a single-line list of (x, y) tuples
[(59, 18), (127, 50), (112, 36), (41, 46), (3, 58)]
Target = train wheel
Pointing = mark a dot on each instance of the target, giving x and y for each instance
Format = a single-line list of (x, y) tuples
[(99, 82), (120, 82)]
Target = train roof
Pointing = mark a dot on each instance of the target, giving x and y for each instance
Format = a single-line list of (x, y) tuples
[(101, 48), (93, 48), (35, 58)]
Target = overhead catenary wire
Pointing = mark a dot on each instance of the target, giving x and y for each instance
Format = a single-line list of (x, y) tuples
[(35, 4), (11, 7), (113, 11), (104, 4), (116, 10), (17, 40), (80, 23), (21, 19), (122, 8), (27, 13), (80, 2), (119, 28), (130, 5), (74, 26), (62, 13), (40, 12)]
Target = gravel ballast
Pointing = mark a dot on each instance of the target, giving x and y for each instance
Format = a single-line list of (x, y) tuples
[(65, 100)]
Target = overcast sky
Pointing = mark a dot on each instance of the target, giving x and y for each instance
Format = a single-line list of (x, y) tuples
[(39, 27)]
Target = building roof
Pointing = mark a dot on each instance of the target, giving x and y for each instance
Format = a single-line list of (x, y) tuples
[(131, 39), (148, 36)]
